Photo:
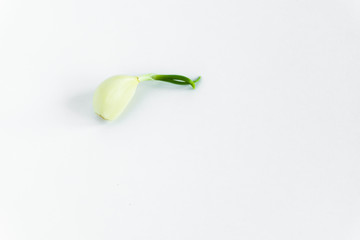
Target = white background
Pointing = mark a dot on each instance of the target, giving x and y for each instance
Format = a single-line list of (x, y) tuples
[(266, 148)]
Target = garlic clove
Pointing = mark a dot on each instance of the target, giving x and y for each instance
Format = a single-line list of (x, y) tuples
[(113, 95)]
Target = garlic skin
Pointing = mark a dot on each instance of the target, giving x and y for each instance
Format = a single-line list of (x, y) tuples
[(113, 95)]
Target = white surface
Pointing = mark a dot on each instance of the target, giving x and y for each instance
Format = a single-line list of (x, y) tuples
[(266, 148)]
